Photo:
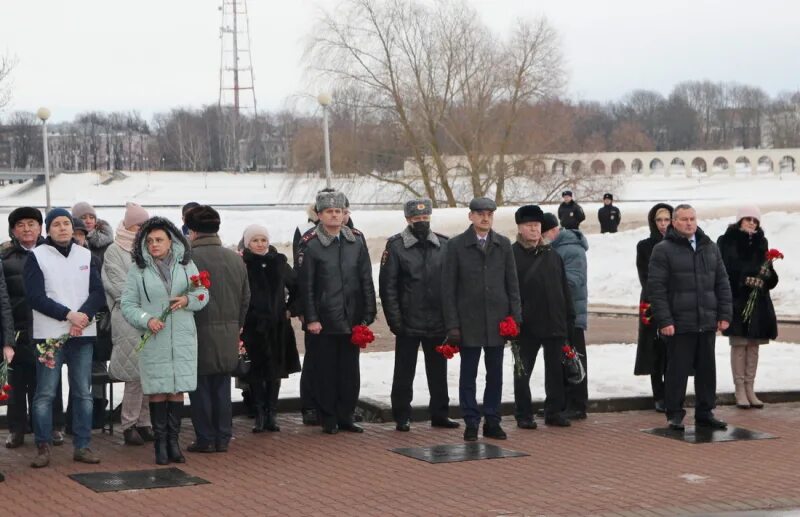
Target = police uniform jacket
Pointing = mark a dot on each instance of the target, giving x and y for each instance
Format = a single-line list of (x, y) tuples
[(410, 284), (336, 281), (479, 288)]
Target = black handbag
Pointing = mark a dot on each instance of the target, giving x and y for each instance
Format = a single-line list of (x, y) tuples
[(574, 373), (242, 365), (103, 343)]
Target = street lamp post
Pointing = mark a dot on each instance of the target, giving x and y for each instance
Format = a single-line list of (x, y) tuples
[(44, 114), (325, 100)]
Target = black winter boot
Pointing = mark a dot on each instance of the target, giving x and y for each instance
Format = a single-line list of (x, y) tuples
[(158, 418), (273, 390), (258, 425), (174, 432)]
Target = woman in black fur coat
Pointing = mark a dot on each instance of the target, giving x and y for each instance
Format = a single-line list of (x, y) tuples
[(743, 247), (267, 334)]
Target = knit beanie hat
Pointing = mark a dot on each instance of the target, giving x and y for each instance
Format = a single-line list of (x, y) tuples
[(79, 226), (24, 212), (549, 221), (203, 219), (81, 209), (134, 215), (53, 214), (748, 211), (253, 231)]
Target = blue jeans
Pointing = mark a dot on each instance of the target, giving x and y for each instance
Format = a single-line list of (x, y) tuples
[(77, 354), (492, 394)]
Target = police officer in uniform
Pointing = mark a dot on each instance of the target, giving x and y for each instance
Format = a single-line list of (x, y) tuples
[(570, 213), (608, 215), (338, 293), (479, 290), (410, 289)]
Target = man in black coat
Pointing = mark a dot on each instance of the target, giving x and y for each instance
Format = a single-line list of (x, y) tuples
[(25, 229), (570, 213), (410, 289), (691, 299), (479, 290), (608, 215), (548, 317), (337, 294)]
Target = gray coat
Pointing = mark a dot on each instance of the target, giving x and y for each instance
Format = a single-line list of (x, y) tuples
[(479, 288), (688, 288), (572, 246), (219, 323), (124, 365), (168, 362)]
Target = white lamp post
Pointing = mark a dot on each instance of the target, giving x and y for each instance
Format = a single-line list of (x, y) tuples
[(325, 100), (44, 114)]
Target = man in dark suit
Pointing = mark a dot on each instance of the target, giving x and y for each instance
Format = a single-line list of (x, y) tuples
[(479, 290)]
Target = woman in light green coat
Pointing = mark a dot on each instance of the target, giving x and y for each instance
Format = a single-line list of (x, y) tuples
[(160, 279)]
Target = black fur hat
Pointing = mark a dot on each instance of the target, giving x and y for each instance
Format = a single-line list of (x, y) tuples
[(159, 223), (528, 214), (202, 219)]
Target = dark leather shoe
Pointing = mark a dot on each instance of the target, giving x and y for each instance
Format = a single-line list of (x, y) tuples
[(526, 423), (131, 437), (471, 433), (221, 447), (447, 423), (330, 428), (201, 447), (310, 417), (660, 408), (146, 432), (557, 421), (575, 414), (711, 422), (15, 440), (494, 431), (403, 426), (351, 427), (676, 423)]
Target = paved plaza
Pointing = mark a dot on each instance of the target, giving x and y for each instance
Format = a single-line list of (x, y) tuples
[(602, 466)]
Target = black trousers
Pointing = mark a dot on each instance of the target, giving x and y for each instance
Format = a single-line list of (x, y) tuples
[(578, 394), (22, 378), (307, 393), (337, 377), (212, 414), (684, 351), (405, 366), (553, 377)]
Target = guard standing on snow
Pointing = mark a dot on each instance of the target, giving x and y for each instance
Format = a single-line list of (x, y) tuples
[(570, 213), (410, 289), (608, 215)]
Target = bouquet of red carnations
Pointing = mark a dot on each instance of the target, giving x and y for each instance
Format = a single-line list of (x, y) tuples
[(5, 387), (362, 336), (574, 372), (645, 313), (447, 350), (764, 273)]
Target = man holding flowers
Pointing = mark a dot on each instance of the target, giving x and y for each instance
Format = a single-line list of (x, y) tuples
[(479, 290)]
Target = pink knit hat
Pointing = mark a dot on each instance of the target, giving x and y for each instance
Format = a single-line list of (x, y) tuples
[(134, 215), (253, 231), (748, 211)]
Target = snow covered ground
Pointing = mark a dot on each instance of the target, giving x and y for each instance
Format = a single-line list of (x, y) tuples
[(612, 275)]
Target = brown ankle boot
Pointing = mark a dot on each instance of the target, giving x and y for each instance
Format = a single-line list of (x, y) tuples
[(738, 356), (750, 376), (42, 458)]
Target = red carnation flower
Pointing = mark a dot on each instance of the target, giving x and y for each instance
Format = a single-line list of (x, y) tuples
[(201, 297), (509, 328), (362, 336), (447, 350), (6, 387), (774, 254)]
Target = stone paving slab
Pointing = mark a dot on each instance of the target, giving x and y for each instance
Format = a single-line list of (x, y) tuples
[(601, 466)]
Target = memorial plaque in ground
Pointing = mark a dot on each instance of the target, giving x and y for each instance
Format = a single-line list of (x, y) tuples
[(694, 434), (136, 479), (459, 452)]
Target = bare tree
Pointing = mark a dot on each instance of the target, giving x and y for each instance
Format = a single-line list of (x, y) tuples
[(449, 84), (6, 66)]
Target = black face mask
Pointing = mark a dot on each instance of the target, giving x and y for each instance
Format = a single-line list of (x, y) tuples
[(420, 229)]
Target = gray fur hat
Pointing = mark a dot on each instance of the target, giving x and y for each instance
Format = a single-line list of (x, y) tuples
[(414, 207), (333, 199)]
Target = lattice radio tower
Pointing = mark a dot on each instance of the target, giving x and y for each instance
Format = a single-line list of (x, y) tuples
[(236, 79)]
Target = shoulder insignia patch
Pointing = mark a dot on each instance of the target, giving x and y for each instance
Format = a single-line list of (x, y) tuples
[(385, 257), (309, 235), (356, 232), (300, 259)]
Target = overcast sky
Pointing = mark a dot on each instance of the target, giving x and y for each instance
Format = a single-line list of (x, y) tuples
[(151, 55)]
